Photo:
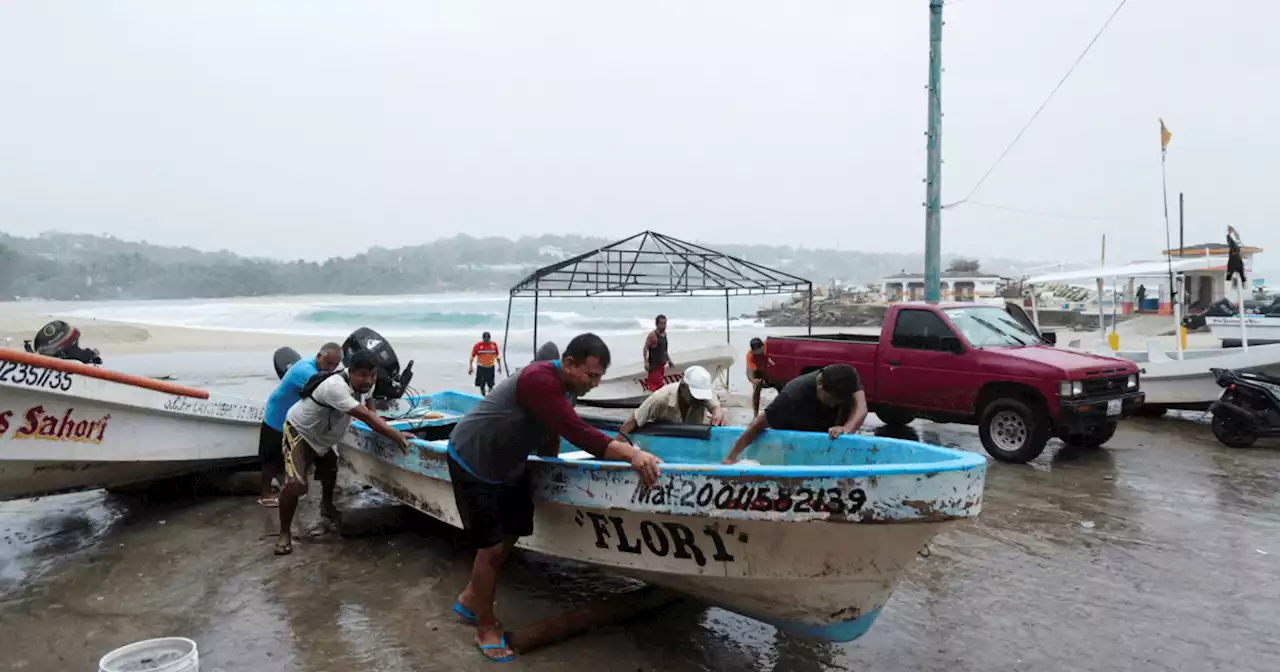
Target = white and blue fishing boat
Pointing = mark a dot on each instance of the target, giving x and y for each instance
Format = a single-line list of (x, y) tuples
[(812, 539)]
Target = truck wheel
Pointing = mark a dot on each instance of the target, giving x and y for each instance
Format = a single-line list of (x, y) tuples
[(1012, 432), (1232, 431), (1094, 438), (895, 417)]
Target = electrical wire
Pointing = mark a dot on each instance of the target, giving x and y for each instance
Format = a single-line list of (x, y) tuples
[(1044, 104), (1038, 213)]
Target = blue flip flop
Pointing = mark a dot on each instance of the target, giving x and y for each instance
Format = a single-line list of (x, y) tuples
[(502, 644), (466, 614)]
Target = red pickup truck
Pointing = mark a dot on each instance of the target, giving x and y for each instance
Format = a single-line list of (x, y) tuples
[(974, 364)]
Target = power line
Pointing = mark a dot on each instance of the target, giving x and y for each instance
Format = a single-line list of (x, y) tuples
[(1044, 104), (1039, 213)]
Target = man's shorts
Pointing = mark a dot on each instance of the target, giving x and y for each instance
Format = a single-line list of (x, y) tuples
[(294, 445), (485, 375), (656, 379), (270, 446), (492, 512)]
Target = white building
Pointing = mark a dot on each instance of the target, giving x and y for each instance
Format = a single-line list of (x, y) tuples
[(956, 286)]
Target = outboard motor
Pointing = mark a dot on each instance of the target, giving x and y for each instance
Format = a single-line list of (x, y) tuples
[(392, 383), (1220, 308), (62, 341)]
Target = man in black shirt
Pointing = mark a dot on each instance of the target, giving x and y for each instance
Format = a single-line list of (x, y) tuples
[(830, 400)]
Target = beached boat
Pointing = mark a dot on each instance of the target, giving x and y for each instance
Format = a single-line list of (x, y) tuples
[(66, 426), (812, 540), (1177, 378), (1189, 383), (624, 386), (1259, 329)]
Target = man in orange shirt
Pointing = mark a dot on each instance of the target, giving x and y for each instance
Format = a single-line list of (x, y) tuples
[(486, 352), (757, 363)]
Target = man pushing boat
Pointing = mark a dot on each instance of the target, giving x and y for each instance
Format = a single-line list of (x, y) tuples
[(315, 425), (286, 394), (525, 414), (690, 401), (829, 400)]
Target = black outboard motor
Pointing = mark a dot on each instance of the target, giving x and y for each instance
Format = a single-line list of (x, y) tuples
[(62, 341), (1220, 308), (392, 383)]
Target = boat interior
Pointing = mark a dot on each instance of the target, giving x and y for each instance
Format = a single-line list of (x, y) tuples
[(433, 417)]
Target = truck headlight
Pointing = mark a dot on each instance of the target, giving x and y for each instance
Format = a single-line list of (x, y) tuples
[(1132, 381), (1070, 388)]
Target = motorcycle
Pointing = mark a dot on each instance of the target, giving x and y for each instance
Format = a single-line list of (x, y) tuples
[(1249, 407)]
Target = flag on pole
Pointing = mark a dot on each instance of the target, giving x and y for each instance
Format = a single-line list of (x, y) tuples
[(1165, 135)]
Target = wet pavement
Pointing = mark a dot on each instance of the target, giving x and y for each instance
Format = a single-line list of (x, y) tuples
[(1160, 552)]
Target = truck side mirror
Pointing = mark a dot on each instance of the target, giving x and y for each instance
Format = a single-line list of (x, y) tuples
[(952, 345), (1051, 337)]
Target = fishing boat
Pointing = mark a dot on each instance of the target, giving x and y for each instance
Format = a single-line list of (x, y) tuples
[(812, 536), (1259, 329), (66, 425), (625, 387)]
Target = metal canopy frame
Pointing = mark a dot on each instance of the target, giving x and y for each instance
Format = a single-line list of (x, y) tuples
[(651, 264)]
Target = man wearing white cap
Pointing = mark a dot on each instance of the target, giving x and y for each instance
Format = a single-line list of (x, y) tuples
[(688, 402)]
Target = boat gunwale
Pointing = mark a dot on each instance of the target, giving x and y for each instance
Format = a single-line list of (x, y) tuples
[(959, 461)]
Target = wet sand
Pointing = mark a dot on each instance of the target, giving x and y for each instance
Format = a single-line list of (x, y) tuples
[(1160, 552)]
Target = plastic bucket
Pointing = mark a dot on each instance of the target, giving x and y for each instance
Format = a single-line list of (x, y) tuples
[(167, 654)]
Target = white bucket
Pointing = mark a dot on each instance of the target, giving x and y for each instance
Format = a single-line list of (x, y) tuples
[(167, 654)]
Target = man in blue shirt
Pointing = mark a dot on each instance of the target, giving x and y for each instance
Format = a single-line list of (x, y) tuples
[(286, 394)]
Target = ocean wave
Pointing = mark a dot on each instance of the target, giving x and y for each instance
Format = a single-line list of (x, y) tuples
[(431, 319)]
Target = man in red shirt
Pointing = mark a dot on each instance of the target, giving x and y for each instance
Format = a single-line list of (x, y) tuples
[(485, 353), (488, 450), (656, 356)]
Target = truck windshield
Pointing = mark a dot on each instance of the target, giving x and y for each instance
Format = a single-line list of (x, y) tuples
[(990, 327)]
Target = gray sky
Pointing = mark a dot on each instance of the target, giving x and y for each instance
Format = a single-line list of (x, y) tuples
[(315, 128)]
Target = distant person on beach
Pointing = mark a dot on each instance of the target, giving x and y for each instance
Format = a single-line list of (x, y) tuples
[(271, 436), (829, 400), (687, 402), (313, 428), (485, 355), (527, 413), (656, 356), (757, 366)]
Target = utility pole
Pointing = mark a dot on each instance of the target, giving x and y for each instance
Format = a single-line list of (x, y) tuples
[(933, 168)]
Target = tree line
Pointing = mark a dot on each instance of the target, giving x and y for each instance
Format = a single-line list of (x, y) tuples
[(63, 266)]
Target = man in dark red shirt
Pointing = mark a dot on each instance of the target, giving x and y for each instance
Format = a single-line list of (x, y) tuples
[(656, 356), (525, 414)]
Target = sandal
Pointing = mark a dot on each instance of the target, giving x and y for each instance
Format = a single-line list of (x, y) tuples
[(284, 549), (502, 644), (269, 502)]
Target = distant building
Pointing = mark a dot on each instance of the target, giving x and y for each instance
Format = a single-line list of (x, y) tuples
[(956, 286), (1202, 288)]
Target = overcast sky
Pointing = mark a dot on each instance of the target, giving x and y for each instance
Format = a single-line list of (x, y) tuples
[(313, 128)]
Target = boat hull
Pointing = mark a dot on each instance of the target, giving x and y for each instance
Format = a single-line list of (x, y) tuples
[(1259, 329), (1189, 383), (816, 553), (625, 385), (64, 431)]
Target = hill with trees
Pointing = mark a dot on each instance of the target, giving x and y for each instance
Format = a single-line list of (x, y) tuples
[(76, 266)]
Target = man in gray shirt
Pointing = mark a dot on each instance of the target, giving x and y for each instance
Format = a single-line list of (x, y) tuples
[(312, 430)]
